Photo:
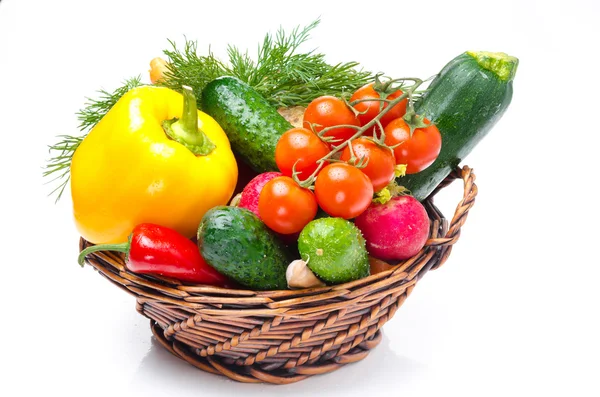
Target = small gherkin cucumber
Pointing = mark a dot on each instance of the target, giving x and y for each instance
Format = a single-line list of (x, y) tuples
[(252, 125), (237, 244), (335, 250)]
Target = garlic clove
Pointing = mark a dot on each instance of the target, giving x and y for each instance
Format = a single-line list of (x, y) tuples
[(235, 201), (298, 275)]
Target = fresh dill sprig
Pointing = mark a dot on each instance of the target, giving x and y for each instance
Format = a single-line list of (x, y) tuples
[(60, 163), (61, 153), (95, 109), (280, 73), (186, 67), (289, 78)]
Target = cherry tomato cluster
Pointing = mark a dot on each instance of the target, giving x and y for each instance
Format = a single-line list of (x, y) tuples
[(340, 151)]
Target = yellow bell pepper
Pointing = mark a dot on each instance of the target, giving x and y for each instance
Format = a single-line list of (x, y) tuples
[(153, 158)]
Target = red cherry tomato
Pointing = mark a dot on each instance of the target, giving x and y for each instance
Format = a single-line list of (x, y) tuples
[(369, 109), (301, 147), (417, 152), (343, 190), (285, 207), (329, 111), (380, 165)]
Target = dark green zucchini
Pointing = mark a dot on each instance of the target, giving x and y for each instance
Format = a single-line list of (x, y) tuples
[(252, 125), (465, 100)]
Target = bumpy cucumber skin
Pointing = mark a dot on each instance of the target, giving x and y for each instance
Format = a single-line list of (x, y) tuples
[(335, 250), (252, 125), (238, 244), (465, 101)]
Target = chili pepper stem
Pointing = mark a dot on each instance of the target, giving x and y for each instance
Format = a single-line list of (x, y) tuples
[(120, 247), (185, 130)]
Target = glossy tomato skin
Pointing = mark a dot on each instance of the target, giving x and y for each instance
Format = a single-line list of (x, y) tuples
[(251, 192), (329, 111), (417, 152), (285, 207), (369, 109), (343, 190), (302, 147), (381, 163)]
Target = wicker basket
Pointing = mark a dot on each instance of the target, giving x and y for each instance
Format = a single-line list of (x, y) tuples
[(283, 336)]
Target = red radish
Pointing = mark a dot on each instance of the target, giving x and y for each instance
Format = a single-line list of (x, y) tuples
[(252, 190), (397, 229)]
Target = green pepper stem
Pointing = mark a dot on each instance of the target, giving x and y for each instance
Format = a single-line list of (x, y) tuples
[(185, 130), (120, 247)]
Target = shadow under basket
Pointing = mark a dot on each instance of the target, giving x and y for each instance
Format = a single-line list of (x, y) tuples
[(284, 336)]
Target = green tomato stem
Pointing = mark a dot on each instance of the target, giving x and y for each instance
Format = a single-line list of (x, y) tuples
[(357, 101)]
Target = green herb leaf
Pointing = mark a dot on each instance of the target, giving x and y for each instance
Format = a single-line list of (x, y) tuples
[(95, 109), (61, 153), (282, 74), (186, 67)]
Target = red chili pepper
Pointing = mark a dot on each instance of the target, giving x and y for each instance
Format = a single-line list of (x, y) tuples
[(158, 250)]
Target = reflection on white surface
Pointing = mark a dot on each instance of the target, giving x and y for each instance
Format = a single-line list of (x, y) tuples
[(382, 368)]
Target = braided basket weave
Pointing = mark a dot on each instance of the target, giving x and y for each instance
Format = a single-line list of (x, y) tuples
[(283, 336)]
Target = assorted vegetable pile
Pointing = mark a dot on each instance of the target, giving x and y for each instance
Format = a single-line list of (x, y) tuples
[(284, 172)]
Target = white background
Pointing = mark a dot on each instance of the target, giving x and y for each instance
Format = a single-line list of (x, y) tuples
[(514, 311)]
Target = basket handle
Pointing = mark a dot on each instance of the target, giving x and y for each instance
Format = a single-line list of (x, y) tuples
[(451, 235)]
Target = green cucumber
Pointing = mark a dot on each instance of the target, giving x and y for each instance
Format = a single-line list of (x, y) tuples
[(465, 100), (237, 244), (334, 250), (252, 125)]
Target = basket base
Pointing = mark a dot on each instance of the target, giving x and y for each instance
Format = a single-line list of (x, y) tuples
[(261, 374)]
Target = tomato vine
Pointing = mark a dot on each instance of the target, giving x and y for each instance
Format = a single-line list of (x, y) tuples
[(383, 88)]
